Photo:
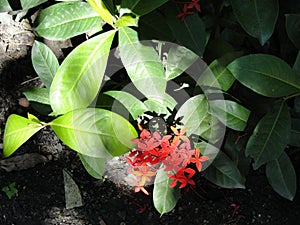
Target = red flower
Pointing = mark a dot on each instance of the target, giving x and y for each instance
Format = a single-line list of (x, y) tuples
[(182, 178), (184, 13), (194, 4), (198, 159)]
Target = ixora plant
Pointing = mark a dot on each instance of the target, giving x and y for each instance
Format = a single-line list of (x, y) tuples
[(166, 110)]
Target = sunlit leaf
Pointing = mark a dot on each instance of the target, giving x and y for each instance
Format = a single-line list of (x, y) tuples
[(126, 21), (44, 62), (282, 176), (36, 94), (164, 197), (142, 64), (94, 166), (266, 75), (230, 113), (255, 19), (270, 136), (5, 6), (197, 119), (17, 131), (79, 77), (103, 12), (131, 103), (217, 75), (94, 132), (66, 19), (179, 59), (72, 193), (32, 3)]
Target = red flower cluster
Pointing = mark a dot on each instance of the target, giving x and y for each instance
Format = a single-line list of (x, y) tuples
[(173, 151), (187, 7)]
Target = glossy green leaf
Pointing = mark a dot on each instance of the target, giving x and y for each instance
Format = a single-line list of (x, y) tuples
[(32, 3), (208, 150), (79, 77), (44, 62), (135, 107), (217, 75), (179, 59), (193, 111), (94, 166), (142, 64), (266, 75), (224, 173), (164, 197), (126, 21), (141, 7), (72, 193), (270, 136), (5, 6), (189, 33), (294, 137), (102, 11), (196, 118), (230, 113), (154, 26), (67, 19), (95, 132), (36, 94), (17, 131), (296, 66), (282, 176), (258, 18), (234, 148), (293, 28)]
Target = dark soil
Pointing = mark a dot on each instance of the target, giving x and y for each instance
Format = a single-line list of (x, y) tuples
[(41, 198)]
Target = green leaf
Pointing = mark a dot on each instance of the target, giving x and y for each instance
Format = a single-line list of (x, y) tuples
[(36, 94), (79, 77), (296, 66), (44, 62), (293, 28), (17, 131), (33, 118), (102, 11), (94, 166), (179, 59), (30, 4), (294, 138), (5, 6), (208, 150), (142, 64), (255, 19), (196, 118), (126, 21), (94, 132), (154, 26), (217, 75), (67, 19), (282, 176), (141, 7), (135, 107), (189, 33), (270, 136), (164, 197), (72, 193), (266, 75), (224, 173), (230, 113)]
